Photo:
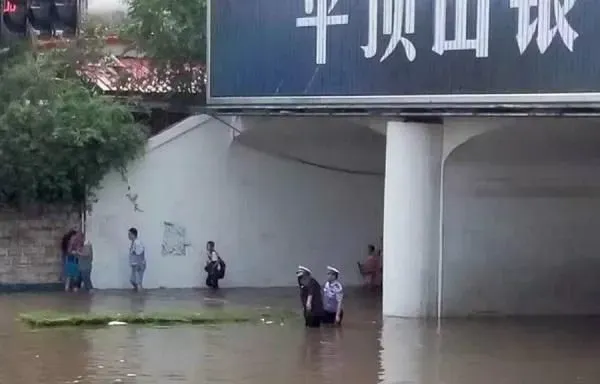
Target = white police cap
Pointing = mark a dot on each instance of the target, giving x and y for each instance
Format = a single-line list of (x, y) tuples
[(302, 270)]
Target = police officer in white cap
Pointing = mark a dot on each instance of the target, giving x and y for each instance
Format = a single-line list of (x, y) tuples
[(310, 294), (333, 296)]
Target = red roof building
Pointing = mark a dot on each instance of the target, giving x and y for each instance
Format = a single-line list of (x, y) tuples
[(161, 96), (124, 72)]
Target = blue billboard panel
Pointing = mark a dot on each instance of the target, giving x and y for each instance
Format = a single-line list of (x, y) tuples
[(403, 51)]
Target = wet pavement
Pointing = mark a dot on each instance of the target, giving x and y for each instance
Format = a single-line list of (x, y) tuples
[(367, 350)]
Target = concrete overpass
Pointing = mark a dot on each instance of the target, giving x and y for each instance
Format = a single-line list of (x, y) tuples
[(479, 216)]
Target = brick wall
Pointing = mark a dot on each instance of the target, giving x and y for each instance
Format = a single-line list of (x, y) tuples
[(29, 245)]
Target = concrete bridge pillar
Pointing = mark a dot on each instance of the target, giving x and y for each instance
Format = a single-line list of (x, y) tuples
[(411, 223)]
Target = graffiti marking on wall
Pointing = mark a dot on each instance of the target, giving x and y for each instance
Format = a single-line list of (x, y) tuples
[(174, 240), (133, 197)]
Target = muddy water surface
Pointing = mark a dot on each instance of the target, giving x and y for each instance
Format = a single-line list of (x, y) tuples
[(367, 350)]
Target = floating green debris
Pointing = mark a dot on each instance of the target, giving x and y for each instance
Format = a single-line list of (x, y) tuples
[(205, 316)]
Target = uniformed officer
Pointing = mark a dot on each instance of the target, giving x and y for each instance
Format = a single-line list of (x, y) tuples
[(310, 294), (333, 296)]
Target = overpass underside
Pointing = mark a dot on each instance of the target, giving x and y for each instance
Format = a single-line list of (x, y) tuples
[(492, 216), (482, 216)]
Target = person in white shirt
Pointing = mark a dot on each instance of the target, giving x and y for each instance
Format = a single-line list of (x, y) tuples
[(137, 260), (333, 296)]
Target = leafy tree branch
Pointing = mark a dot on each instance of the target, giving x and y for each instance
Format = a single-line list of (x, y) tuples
[(173, 34), (58, 137), (169, 30)]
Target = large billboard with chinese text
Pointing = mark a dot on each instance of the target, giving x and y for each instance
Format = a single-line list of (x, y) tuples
[(403, 52)]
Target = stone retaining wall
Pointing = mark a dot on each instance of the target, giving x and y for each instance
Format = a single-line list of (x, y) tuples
[(29, 246)]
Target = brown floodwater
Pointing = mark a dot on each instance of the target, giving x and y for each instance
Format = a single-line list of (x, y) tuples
[(367, 350)]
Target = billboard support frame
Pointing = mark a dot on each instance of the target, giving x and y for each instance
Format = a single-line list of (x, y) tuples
[(416, 101)]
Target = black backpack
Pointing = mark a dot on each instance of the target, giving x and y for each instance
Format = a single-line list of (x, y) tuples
[(223, 266)]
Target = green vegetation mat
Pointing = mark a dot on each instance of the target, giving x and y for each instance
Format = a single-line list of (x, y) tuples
[(205, 316)]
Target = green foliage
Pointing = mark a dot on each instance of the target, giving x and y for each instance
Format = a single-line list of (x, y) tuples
[(173, 34), (205, 316), (171, 30), (58, 137)]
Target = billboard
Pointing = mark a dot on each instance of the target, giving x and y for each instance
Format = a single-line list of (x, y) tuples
[(403, 52)]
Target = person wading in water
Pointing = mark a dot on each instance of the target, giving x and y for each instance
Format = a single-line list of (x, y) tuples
[(215, 266), (311, 297), (86, 258), (72, 262), (64, 248), (371, 269), (333, 295), (137, 260)]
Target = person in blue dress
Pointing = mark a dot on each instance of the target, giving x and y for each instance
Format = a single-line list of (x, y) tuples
[(64, 252), (72, 262)]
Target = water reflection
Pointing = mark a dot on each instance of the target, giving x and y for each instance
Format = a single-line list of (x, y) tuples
[(244, 354), (495, 351), (367, 350), (401, 351), (23, 364), (31, 356)]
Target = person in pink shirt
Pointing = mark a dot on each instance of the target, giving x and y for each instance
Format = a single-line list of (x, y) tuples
[(371, 268)]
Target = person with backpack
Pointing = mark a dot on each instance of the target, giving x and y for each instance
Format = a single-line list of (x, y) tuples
[(214, 267)]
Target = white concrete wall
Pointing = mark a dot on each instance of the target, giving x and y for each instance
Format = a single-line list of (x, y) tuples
[(521, 239), (266, 215), (519, 232)]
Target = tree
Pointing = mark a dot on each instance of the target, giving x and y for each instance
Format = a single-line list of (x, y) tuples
[(173, 34), (171, 30), (58, 137)]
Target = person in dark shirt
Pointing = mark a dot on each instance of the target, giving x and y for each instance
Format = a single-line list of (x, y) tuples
[(311, 296)]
